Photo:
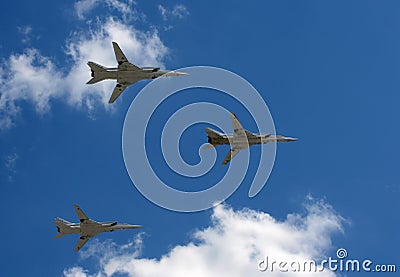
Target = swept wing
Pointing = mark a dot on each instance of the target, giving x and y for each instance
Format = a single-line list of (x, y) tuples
[(238, 141), (232, 153), (81, 242), (83, 219), (123, 63), (119, 88)]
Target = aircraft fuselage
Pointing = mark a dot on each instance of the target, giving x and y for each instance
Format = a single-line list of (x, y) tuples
[(251, 140), (89, 229), (132, 76), (126, 73)]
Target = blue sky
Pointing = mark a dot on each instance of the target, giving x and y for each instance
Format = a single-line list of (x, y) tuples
[(328, 71)]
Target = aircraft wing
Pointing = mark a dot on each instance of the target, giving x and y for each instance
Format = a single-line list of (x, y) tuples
[(83, 219), (123, 63), (239, 133), (232, 153), (239, 136), (119, 88), (81, 215), (238, 129), (81, 242)]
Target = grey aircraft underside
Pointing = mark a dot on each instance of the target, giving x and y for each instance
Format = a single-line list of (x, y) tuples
[(126, 73), (240, 139), (87, 228)]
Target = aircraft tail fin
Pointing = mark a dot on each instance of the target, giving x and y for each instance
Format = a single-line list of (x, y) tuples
[(96, 70)]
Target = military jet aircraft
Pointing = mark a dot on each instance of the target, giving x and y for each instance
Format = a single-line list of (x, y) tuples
[(126, 73), (87, 228), (240, 139)]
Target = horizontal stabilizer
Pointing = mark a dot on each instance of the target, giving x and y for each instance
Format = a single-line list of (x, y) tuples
[(94, 80), (213, 134), (96, 68), (208, 146), (59, 235), (61, 223)]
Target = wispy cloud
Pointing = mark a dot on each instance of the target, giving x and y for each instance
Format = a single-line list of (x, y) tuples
[(76, 272), (178, 11), (26, 33), (10, 163), (231, 246), (127, 8), (83, 7), (33, 77)]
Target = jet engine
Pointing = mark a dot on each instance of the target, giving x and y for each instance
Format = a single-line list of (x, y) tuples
[(110, 224), (150, 69)]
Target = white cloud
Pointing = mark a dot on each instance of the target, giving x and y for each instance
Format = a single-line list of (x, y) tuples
[(75, 272), (30, 76), (141, 48), (33, 77), (231, 246), (178, 11), (82, 7), (125, 7)]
